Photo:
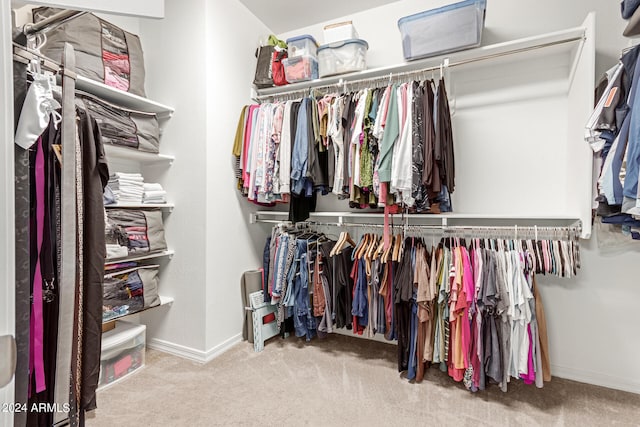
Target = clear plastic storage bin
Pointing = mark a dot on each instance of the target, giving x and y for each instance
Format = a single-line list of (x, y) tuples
[(447, 29), (301, 46), (122, 352), (300, 68), (342, 57)]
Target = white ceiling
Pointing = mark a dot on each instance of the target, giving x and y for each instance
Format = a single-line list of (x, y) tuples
[(286, 15)]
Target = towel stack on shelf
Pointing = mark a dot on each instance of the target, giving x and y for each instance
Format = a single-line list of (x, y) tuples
[(127, 187), (154, 193)]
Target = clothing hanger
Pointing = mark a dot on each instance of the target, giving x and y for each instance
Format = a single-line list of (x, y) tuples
[(389, 251), (379, 249), (372, 247), (338, 246), (363, 245), (397, 248)]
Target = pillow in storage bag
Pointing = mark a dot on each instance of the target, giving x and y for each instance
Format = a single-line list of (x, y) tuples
[(128, 291), (123, 127), (104, 52)]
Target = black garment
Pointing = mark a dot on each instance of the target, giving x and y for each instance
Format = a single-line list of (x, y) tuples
[(444, 139), (343, 288), (328, 263), (418, 190), (301, 206), (402, 294), (95, 175), (431, 171)]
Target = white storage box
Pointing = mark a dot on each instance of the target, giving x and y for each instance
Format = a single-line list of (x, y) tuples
[(339, 31), (342, 57), (122, 352), (301, 46), (300, 68), (447, 29)]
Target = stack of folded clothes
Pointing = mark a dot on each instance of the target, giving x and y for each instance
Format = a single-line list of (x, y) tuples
[(154, 193), (127, 188)]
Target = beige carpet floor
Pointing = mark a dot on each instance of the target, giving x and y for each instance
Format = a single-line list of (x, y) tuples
[(339, 381)]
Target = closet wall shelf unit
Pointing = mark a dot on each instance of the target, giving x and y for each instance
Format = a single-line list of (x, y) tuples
[(164, 300), (153, 255), (499, 95), (559, 42)]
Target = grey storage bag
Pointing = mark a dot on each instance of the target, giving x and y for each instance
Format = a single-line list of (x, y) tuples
[(104, 52)]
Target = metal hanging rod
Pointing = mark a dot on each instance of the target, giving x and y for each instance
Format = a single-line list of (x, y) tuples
[(406, 76), (515, 231), (51, 22), (25, 55)]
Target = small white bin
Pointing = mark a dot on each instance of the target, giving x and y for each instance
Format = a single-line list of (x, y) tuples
[(304, 45), (122, 353), (447, 29), (339, 31), (342, 57)]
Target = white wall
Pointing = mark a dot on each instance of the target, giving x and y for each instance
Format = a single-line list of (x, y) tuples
[(591, 318), (232, 246), (505, 20), (175, 63), (194, 66)]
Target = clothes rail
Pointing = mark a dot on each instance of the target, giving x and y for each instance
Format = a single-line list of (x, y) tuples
[(25, 55), (571, 232), (51, 22), (345, 82)]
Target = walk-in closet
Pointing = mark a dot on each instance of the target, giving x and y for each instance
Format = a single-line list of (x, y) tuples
[(342, 213)]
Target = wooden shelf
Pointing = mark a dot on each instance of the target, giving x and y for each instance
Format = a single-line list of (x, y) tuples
[(168, 253)]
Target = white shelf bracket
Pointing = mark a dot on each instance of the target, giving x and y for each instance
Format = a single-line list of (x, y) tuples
[(253, 218)]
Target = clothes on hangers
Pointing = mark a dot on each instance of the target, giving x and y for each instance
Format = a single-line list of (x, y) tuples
[(349, 145), (470, 308), (614, 135), (38, 133)]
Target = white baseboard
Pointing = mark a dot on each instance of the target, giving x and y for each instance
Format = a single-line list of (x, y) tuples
[(192, 353), (596, 378), (216, 351)]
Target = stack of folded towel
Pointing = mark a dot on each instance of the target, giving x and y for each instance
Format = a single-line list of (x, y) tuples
[(127, 187), (153, 193)]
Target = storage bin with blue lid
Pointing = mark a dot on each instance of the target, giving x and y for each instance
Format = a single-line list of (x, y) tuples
[(342, 57), (301, 46), (449, 28)]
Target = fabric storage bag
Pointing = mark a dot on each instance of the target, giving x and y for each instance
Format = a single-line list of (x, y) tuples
[(269, 64), (141, 231), (123, 127), (129, 291), (104, 52)]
